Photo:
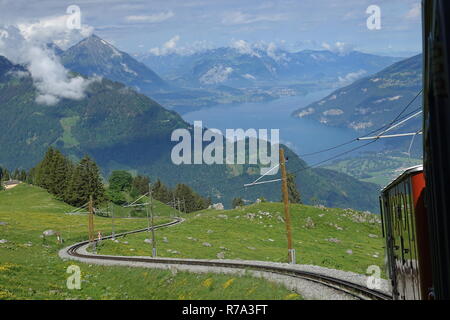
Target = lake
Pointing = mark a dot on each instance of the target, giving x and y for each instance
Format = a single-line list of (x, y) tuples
[(301, 135)]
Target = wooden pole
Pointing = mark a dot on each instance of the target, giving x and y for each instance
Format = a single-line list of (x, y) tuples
[(287, 216), (153, 225), (91, 220)]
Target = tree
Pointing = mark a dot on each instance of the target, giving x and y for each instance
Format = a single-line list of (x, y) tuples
[(294, 194), (139, 186), (237, 202), (85, 181), (120, 180), (161, 193), (53, 173), (192, 201)]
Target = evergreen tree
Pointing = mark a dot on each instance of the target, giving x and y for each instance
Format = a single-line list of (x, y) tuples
[(192, 201), (23, 176), (294, 194), (85, 181), (139, 186), (237, 202), (45, 169), (161, 193)]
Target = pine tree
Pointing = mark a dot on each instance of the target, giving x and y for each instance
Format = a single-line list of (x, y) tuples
[(139, 186), (85, 181), (294, 194)]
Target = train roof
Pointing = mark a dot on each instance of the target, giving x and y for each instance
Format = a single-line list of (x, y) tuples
[(405, 173)]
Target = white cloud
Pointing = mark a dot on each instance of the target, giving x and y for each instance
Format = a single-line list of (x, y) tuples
[(153, 18), (415, 12), (239, 17), (26, 43), (341, 48), (351, 77), (244, 47), (171, 46)]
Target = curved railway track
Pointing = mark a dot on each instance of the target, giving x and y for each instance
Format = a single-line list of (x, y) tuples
[(353, 289)]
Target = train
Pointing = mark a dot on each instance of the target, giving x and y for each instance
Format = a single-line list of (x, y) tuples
[(415, 207)]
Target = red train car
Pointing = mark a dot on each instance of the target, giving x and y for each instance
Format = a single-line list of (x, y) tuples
[(405, 229)]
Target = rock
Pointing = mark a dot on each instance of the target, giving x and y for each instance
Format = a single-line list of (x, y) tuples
[(321, 215), (206, 244), (131, 249), (223, 216), (309, 223), (251, 248), (333, 240), (349, 251), (190, 238), (258, 200), (271, 240), (3, 223), (221, 255), (223, 248), (372, 235), (209, 231), (48, 233), (125, 242), (3, 241), (250, 216), (216, 206), (165, 240), (149, 241)]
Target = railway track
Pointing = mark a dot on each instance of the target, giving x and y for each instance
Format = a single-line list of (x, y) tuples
[(353, 289)]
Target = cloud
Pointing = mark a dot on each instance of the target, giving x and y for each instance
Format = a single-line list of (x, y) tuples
[(239, 17), (341, 48), (415, 12), (244, 47), (27, 44), (351, 77), (153, 18), (171, 46)]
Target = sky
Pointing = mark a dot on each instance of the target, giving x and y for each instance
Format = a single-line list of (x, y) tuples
[(165, 26)]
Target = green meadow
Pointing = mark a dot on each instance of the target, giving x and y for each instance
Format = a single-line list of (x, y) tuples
[(31, 269), (335, 238)]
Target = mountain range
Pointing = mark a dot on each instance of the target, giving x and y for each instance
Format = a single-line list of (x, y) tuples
[(250, 67), (374, 101), (123, 129)]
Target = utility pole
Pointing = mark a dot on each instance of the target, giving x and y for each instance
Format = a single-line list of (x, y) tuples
[(91, 220), (153, 225), (111, 209), (287, 216)]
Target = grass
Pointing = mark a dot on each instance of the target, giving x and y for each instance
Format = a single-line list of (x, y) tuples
[(321, 236), (31, 269), (375, 169)]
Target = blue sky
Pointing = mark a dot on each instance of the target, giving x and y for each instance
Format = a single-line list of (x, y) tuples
[(140, 26)]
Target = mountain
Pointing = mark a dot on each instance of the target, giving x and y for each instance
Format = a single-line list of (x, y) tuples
[(122, 129), (243, 67), (95, 56), (373, 101)]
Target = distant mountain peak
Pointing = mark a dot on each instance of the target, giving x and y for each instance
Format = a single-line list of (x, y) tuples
[(95, 56)]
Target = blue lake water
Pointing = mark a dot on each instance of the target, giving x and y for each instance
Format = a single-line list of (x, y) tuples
[(301, 135)]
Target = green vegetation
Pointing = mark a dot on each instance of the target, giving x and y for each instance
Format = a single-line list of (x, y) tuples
[(379, 169), (333, 238), (74, 184), (31, 269), (122, 129)]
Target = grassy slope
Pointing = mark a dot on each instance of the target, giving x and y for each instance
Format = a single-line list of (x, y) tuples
[(36, 272), (263, 237), (374, 168)]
